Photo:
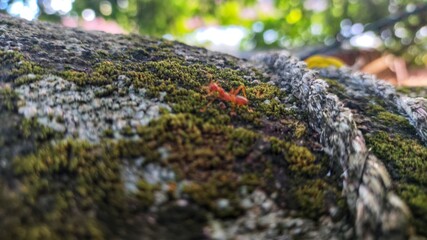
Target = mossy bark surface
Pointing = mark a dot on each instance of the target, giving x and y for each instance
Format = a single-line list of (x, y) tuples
[(113, 137)]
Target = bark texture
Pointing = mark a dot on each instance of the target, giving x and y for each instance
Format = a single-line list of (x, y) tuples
[(102, 137)]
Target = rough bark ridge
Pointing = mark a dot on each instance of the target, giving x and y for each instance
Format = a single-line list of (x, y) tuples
[(102, 136)]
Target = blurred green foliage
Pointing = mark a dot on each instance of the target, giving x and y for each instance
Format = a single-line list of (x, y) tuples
[(158, 17), (270, 23)]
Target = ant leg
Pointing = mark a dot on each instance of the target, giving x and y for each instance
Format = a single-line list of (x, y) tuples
[(240, 88), (232, 92), (244, 91), (207, 105)]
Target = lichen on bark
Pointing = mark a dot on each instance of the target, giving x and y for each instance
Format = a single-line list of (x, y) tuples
[(104, 138)]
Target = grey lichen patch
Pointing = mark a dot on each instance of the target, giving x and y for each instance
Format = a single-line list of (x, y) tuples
[(84, 113), (264, 219)]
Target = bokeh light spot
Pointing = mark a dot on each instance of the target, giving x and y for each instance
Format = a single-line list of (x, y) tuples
[(105, 8), (422, 33), (258, 27), (316, 29), (123, 4), (28, 10), (368, 40), (270, 36), (357, 28), (88, 14), (294, 16), (316, 5)]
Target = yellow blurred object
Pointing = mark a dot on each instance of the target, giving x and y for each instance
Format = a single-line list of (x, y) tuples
[(319, 61)]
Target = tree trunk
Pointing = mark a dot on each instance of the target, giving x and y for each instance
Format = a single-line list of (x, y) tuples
[(129, 137)]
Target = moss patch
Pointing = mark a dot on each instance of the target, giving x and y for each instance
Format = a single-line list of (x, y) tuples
[(416, 197), (103, 73), (75, 189), (183, 86), (219, 160), (406, 160), (18, 136), (406, 156), (15, 65), (413, 91), (314, 196), (386, 119), (66, 188), (72, 189), (336, 88)]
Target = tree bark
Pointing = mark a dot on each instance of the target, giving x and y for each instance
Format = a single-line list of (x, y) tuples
[(125, 137)]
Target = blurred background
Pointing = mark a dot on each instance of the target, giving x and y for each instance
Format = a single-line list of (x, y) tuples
[(383, 37)]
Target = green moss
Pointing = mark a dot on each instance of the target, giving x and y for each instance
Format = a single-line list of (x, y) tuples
[(406, 160), (203, 153), (183, 86), (26, 67), (127, 131), (18, 134), (387, 118), (64, 186), (300, 130), (390, 118), (145, 194), (108, 90), (8, 98), (218, 160), (103, 73), (220, 186), (109, 133), (26, 79), (413, 91), (311, 198), (300, 159), (15, 65), (241, 140), (336, 88), (31, 128), (272, 108), (416, 197), (407, 156)]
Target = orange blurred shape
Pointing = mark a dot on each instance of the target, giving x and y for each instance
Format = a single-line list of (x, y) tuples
[(384, 66), (388, 67)]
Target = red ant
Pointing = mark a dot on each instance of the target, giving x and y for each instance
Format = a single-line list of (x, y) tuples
[(215, 88)]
